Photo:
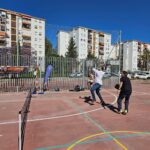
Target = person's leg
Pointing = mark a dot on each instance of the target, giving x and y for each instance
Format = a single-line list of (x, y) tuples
[(99, 94), (93, 88), (119, 101), (127, 97)]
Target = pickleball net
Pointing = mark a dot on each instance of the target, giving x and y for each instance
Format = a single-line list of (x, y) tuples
[(23, 115)]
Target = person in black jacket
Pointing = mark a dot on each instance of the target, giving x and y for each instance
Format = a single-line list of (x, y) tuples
[(125, 92)]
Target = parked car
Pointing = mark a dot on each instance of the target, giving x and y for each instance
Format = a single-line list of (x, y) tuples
[(72, 75), (107, 75), (142, 75), (76, 75)]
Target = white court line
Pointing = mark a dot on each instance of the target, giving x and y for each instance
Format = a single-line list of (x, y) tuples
[(64, 116)]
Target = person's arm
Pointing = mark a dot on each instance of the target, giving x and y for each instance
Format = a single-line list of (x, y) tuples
[(95, 70), (121, 83)]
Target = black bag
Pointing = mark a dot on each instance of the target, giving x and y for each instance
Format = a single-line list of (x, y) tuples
[(117, 86), (77, 88)]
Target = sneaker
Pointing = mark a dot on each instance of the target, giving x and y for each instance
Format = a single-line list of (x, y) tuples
[(103, 104), (125, 112), (92, 103), (120, 111)]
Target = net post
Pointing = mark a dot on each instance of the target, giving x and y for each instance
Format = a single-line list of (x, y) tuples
[(19, 138)]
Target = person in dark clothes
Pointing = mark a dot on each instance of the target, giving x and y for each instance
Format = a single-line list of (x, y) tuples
[(125, 92)]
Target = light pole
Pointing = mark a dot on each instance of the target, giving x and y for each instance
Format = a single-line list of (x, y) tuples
[(119, 54), (17, 41), (17, 49), (40, 68)]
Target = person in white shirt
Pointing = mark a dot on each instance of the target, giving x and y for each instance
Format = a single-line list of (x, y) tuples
[(97, 85)]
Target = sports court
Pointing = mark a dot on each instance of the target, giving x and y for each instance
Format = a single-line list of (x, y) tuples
[(66, 121)]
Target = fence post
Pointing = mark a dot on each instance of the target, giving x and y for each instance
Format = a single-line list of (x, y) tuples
[(83, 77), (19, 138)]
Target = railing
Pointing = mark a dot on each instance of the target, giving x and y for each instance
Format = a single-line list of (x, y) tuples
[(60, 76)]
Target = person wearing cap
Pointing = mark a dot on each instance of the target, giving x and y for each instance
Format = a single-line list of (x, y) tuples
[(98, 75), (125, 88)]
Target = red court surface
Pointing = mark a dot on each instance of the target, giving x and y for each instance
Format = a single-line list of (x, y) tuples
[(64, 121)]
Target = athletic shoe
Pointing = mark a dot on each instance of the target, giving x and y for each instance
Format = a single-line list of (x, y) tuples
[(120, 111), (125, 112), (103, 104)]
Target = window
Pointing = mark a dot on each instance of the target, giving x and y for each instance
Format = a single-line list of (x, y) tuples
[(35, 27), (40, 27), (3, 28), (26, 26), (40, 34)]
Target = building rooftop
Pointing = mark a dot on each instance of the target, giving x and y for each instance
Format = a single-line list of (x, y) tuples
[(20, 14), (92, 30), (135, 41)]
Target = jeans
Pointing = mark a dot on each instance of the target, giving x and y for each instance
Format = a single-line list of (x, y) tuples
[(96, 87), (123, 95)]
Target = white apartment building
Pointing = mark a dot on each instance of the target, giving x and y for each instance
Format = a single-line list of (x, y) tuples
[(114, 53), (132, 50), (86, 40), (63, 42), (26, 30)]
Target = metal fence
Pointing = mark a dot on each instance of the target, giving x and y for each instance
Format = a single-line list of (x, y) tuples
[(66, 73)]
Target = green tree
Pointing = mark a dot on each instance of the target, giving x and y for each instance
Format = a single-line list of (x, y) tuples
[(145, 57), (48, 48), (72, 49), (90, 56)]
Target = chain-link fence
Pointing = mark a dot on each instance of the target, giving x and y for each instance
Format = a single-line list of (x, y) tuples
[(66, 73)]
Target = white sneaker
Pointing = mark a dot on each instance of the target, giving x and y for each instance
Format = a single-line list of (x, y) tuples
[(120, 112)]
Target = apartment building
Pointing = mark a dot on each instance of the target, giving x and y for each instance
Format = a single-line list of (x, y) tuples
[(132, 51), (25, 31), (87, 41), (63, 42)]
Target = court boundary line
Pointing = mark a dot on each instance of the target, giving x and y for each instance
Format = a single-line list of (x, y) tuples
[(95, 140), (63, 116), (105, 133)]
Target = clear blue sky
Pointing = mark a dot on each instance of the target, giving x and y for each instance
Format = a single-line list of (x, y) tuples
[(130, 16)]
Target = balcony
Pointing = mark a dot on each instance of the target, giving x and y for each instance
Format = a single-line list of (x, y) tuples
[(26, 38), (26, 26), (101, 34), (26, 45), (101, 47), (13, 18), (101, 44), (3, 34), (13, 43), (3, 42), (2, 38), (26, 21)]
